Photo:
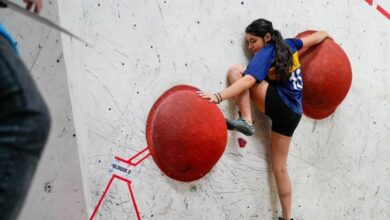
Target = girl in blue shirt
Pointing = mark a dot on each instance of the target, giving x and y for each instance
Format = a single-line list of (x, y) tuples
[(273, 81)]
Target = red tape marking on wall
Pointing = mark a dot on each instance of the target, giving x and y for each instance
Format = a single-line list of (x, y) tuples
[(383, 11), (369, 2), (129, 161), (380, 9), (114, 176)]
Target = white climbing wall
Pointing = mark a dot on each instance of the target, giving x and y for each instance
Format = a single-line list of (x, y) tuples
[(339, 166)]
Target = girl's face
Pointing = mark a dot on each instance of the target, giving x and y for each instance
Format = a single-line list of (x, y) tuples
[(256, 43)]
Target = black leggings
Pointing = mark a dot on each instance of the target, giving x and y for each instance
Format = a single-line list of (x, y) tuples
[(284, 120)]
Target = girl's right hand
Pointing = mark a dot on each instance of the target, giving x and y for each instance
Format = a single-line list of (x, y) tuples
[(211, 97)]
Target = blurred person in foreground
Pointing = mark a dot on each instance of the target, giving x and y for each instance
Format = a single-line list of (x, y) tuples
[(24, 124)]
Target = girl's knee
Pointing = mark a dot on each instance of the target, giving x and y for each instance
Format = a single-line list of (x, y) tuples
[(279, 170), (235, 72), (236, 68)]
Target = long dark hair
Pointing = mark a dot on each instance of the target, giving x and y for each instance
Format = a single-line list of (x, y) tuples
[(283, 55)]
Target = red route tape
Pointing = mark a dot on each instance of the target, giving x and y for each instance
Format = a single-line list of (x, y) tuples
[(369, 2), (383, 11), (130, 162)]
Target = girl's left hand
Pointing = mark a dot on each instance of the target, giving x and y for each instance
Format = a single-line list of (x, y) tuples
[(209, 96)]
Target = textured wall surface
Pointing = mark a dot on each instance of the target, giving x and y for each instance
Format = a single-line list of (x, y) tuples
[(139, 49), (56, 192)]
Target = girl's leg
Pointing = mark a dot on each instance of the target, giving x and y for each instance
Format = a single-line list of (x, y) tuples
[(279, 151), (257, 94), (243, 100)]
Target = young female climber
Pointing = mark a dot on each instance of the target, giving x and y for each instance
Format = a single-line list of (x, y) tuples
[(273, 81)]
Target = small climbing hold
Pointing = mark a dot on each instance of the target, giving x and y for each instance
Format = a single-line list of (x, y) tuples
[(242, 142)]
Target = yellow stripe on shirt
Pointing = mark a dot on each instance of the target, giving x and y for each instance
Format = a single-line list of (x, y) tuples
[(272, 74), (296, 63)]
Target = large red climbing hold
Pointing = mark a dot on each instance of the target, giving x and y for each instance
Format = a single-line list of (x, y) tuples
[(186, 134), (327, 77)]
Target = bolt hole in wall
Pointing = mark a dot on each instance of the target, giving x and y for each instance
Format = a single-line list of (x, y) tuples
[(48, 187)]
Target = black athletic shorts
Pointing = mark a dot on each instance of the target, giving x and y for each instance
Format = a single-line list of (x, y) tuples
[(284, 120)]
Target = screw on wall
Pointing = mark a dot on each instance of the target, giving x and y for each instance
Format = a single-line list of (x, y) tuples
[(48, 187), (193, 188)]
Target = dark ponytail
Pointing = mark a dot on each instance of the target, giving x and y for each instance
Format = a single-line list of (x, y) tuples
[(283, 55)]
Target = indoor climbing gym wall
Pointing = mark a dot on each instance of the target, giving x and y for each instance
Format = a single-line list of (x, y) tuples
[(131, 86)]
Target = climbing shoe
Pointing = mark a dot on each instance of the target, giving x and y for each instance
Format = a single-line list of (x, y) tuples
[(241, 125)]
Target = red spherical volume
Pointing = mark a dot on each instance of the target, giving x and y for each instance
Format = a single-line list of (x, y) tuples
[(186, 134), (327, 77)]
